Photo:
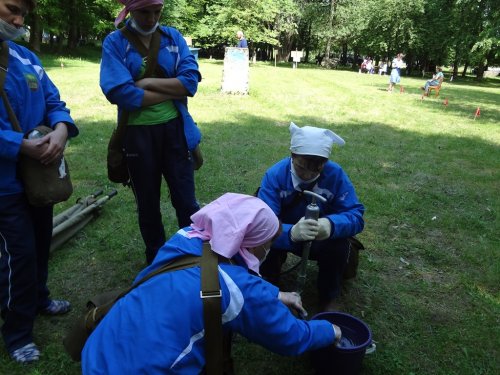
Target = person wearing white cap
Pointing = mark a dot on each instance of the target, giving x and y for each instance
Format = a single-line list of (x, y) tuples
[(341, 217)]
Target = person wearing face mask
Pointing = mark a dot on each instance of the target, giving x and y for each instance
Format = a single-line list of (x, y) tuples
[(160, 132), (341, 216), (26, 230), (158, 327)]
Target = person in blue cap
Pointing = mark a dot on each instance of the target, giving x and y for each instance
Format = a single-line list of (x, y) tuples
[(341, 217)]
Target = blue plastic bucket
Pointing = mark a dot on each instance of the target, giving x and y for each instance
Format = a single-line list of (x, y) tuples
[(347, 357)]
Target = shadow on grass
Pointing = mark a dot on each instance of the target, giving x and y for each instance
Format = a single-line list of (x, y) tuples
[(431, 200)]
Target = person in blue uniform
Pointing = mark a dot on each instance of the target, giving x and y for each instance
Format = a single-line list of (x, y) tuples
[(160, 132), (282, 186), (158, 327), (25, 230)]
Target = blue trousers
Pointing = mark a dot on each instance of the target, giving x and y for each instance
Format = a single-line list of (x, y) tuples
[(154, 151), (25, 235), (430, 83)]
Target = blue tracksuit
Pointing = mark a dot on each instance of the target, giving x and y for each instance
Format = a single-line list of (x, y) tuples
[(158, 327), (25, 231), (35, 101), (158, 149), (122, 64), (342, 208)]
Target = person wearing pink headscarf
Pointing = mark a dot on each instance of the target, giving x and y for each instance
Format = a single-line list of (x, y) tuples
[(131, 5), (158, 327), (160, 134)]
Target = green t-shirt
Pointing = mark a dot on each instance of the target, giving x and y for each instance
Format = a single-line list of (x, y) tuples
[(153, 114)]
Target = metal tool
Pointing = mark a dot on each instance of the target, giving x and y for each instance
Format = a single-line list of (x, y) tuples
[(312, 212)]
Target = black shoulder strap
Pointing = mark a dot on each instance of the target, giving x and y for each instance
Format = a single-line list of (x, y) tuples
[(4, 63), (100, 311), (174, 265), (212, 311)]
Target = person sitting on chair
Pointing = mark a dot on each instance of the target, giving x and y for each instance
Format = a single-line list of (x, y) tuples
[(341, 216), (435, 81)]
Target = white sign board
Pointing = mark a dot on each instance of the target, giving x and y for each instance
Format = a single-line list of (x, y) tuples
[(236, 71), (297, 55)]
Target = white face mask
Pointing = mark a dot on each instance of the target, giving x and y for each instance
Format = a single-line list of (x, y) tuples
[(267, 250), (9, 32), (137, 28)]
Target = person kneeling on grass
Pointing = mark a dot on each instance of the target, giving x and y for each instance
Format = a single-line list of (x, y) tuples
[(340, 217), (435, 81), (158, 327)]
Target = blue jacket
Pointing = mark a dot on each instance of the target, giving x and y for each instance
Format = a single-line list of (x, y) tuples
[(121, 65), (242, 43), (342, 207), (35, 101), (158, 327)]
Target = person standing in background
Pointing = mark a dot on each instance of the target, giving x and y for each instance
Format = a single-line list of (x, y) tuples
[(242, 42), (395, 77)]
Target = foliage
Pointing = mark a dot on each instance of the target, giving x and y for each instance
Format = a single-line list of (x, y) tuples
[(458, 32)]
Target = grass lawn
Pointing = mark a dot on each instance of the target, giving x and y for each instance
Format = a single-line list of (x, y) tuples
[(428, 174)]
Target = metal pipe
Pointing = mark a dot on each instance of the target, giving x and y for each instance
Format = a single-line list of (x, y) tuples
[(312, 212)]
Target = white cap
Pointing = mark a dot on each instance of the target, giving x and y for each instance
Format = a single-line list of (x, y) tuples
[(313, 141)]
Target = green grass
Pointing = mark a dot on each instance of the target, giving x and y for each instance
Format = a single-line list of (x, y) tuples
[(428, 174)]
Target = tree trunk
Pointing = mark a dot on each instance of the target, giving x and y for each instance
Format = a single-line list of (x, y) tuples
[(286, 47), (455, 63), (333, 7), (307, 41), (60, 43), (343, 58), (73, 24), (480, 71), (466, 66), (355, 65), (35, 33)]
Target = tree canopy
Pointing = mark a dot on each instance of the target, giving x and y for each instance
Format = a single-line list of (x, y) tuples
[(429, 32)]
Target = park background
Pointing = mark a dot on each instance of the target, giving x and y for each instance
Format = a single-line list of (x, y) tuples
[(463, 34), (427, 170)]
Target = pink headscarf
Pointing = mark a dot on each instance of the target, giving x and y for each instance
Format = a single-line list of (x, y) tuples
[(235, 223), (133, 5)]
